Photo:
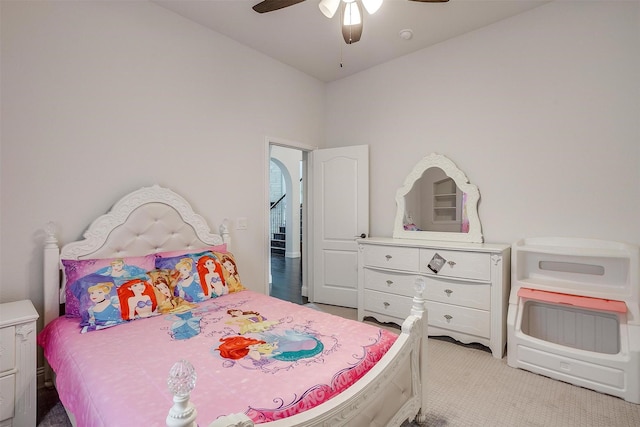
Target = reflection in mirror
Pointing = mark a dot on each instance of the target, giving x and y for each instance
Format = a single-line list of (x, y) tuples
[(437, 202)]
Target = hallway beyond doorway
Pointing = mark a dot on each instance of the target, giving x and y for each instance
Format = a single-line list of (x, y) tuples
[(286, 279)]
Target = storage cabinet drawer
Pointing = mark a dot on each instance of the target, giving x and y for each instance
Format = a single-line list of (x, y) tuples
[(465, 265), (396, 258), (474, 295), (389, 304), (7, 350), (7, 396), (571, 369), (390, 281), (466, 320)]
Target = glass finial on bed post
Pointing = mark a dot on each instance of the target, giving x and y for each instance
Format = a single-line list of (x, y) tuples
[(181, 381)]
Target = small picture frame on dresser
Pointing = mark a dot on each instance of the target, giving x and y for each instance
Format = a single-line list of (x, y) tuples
[(436, 263)]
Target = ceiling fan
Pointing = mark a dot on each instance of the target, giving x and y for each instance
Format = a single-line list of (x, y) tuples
[(351, 12)]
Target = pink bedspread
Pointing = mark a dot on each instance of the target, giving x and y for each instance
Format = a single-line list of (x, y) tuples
[(252, 353)]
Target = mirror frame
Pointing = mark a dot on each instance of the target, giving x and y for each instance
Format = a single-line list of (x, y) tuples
[(473, 197)]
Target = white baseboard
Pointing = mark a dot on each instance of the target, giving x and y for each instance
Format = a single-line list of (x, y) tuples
[(292, 254)]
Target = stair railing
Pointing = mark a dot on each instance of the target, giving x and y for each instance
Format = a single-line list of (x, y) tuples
[(277, 216)]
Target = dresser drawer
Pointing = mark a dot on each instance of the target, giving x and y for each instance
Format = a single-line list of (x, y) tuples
[(466, 320), (390, 281), (389, 304), (397, 258), (465, 265), (7, 348), (465, 294), (7, 396)]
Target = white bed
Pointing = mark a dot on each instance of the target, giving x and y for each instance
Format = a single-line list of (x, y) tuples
[(155, 219)]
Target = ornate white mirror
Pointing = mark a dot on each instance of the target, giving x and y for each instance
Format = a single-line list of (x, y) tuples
[(437, 202)]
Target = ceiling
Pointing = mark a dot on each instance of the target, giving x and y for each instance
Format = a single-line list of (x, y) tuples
[(302, 37)]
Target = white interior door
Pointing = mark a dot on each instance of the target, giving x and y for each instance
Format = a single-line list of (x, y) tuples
[(341, 214)]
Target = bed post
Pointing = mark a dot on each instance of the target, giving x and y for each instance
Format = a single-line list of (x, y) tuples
[(419, 309), (224, 231), (51, 276)]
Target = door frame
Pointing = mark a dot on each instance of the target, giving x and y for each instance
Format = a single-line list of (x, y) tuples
[(307, 220)]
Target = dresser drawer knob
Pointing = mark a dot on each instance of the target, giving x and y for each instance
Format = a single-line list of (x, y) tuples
[(448, 292), (388, 257), (389, 282), (386, 304), (451, 263), (448, 317)]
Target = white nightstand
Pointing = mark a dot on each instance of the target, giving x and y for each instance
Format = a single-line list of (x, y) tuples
[(18, 364)]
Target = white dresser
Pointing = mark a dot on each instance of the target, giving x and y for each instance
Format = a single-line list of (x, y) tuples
[(467, 298), (18, 364)]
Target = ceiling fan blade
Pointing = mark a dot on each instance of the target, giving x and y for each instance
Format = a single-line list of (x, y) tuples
[(271, 5)]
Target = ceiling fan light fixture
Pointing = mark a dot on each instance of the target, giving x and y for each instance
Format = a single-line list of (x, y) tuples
[(351, 22), (329, 7), (352, 14), (372, 6)]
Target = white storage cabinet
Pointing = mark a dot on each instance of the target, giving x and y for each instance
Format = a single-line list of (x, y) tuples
[(574, 313)]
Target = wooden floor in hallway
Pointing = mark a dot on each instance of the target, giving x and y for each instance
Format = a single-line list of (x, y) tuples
[(286, 279)]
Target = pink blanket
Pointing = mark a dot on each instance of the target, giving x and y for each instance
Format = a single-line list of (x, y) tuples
[(252, 353)]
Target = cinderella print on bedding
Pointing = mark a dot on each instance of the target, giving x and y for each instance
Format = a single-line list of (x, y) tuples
[(113, 302), (110, 304), (121, 291), (80, 274)]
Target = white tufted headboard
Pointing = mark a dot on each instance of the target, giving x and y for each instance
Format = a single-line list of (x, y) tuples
[(149, 220)]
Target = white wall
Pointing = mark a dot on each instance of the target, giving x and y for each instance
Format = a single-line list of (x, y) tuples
[(542, 112), (101, 98)]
